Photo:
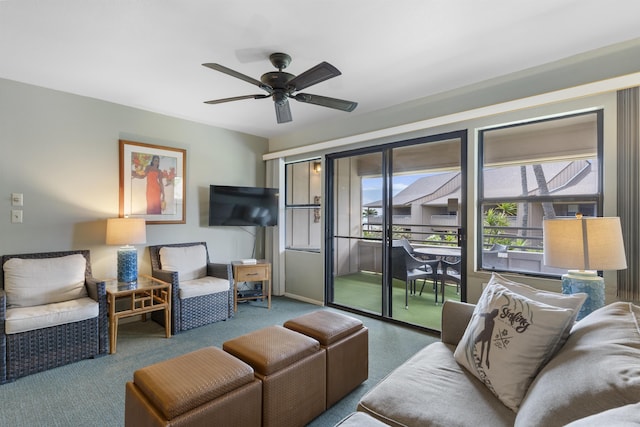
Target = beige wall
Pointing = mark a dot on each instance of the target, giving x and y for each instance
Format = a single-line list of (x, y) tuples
[(61, 152)]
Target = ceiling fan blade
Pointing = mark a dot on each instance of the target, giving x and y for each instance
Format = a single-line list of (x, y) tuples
[(236, 98), (319, 73), (338, 104), (233, 73), (283, 111)]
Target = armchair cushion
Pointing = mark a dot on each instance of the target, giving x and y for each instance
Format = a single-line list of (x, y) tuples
[(32, 282), (189, 261), (23, 319), (203, 286)]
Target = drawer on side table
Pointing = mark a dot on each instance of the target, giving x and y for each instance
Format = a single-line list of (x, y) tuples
[(252, 273), (258, 272)]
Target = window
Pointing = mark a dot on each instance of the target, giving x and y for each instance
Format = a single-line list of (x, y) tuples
[(303, 205), (544, 169)]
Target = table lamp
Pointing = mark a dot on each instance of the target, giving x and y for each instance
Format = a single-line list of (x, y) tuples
[(584, 245), (127, 232)]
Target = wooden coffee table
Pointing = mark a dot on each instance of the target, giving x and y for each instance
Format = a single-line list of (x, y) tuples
[(146, 295)]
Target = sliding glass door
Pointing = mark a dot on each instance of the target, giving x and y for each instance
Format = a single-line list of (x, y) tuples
[(395, 215), (357, 238)]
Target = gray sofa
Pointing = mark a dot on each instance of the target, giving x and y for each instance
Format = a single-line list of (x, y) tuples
[(593, 380)]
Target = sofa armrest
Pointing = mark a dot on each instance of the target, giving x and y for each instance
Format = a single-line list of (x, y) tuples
[(455, 318)]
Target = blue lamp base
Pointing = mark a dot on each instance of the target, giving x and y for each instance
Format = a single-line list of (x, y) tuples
[(127, 264), (589, 283)]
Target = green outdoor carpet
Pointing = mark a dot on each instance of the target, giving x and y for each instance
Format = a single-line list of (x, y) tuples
[(363, 291), (91, 392)]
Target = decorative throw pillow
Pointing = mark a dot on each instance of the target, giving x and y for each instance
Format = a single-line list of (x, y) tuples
[(572, 301), (36, 281), (508, 339), (189, 261)]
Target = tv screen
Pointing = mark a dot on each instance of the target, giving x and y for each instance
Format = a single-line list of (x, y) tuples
[(231, 205)]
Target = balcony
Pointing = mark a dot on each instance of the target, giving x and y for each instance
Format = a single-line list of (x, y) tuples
[(521, 250)]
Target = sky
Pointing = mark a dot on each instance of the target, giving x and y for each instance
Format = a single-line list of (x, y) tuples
[(372, 187)]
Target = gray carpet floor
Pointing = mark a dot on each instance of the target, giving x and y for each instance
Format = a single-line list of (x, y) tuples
[(91, 392)]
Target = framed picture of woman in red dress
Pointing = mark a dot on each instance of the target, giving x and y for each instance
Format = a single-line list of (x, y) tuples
[(152, 184)]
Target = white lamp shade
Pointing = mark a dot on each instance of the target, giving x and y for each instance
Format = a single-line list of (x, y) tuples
[(584, 243), (126, 231)]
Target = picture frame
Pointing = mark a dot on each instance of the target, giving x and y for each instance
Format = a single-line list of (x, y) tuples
[(152, 182)]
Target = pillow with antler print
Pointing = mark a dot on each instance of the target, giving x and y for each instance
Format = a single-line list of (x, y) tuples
[(508, 339)]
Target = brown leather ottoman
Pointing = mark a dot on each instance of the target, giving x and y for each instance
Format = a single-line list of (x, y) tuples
[(292, 369), (346, 340), (202, 388)]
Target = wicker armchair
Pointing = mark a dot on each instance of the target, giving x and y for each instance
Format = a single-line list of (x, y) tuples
[(31, 351), (188, 312)]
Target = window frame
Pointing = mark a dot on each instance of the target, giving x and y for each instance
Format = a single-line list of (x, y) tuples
[(291, 207), (482, 201)]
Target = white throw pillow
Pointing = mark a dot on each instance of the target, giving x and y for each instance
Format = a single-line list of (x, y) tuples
[(189, 261), (29, 282), (572, 301), (508, 339)]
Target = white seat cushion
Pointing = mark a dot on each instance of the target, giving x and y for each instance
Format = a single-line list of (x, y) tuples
[(189, 261), (33, 282), (203, 286), (23, 319)]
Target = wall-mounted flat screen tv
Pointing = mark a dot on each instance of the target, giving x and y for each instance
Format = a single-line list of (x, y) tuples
[(232, 205)]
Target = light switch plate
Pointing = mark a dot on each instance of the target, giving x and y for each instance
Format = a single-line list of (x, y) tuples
[(16, 216), (16, 199)]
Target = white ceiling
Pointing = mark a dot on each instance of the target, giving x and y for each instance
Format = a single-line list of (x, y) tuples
[(148, 53)]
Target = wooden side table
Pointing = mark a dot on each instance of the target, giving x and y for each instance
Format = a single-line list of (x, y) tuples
[(258, 272), (146, 295)]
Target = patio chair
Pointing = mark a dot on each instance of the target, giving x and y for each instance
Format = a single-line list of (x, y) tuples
[(409, 268), (52, 312), (450, 273), (201, 292)]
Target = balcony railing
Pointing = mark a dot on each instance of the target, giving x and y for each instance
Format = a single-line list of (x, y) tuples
[(519, 248)]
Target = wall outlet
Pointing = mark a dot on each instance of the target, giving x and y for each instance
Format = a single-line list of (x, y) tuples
[(16, 216)]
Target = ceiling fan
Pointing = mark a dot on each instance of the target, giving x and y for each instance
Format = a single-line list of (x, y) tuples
[(281, 86)]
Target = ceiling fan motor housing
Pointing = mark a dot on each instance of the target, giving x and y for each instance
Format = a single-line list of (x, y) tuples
[(276, 79)]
